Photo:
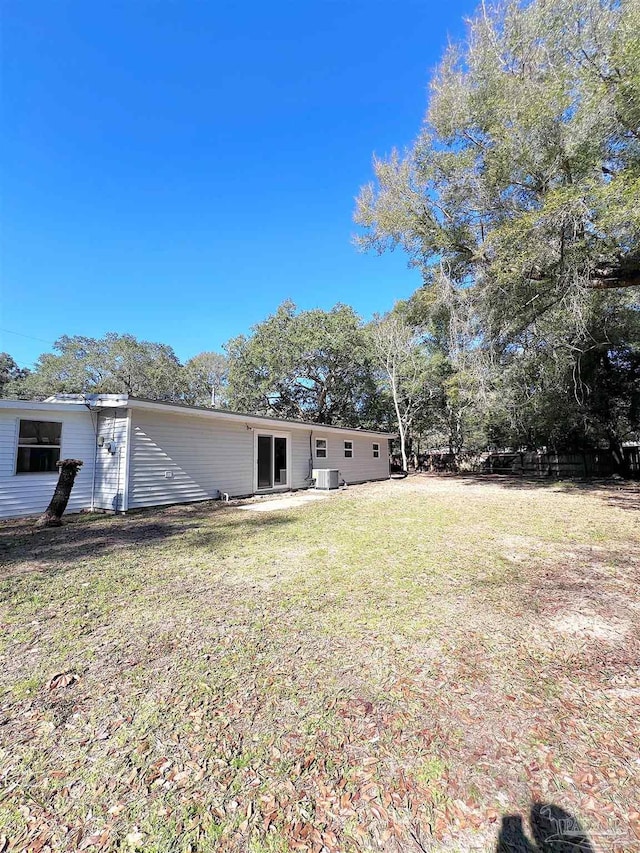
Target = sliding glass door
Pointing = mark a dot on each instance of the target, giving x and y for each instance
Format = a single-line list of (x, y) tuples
[(265, 466), (272, 469), (279, 460)]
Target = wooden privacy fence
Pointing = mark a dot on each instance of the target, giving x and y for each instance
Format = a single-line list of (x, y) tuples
[(588, 463), (632, 455), (537, 464)]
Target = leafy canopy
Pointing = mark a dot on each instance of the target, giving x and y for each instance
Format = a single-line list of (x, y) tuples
[(525, 179), (111, 365), (10, 374), (312, 365), (204, 379), (520, 203)]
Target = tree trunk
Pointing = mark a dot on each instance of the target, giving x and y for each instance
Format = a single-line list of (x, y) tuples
[(52, 517), (401, 430)]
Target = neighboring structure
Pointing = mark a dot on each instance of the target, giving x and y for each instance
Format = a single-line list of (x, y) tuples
[(140, 453)]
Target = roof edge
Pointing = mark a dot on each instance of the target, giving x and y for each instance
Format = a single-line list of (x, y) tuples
[(225, 414), (43, 405), (65, 402)]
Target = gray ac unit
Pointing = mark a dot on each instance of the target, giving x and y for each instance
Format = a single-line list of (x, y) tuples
[(326, 478)]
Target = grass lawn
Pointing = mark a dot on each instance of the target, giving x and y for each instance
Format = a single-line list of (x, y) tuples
[(394, 668)]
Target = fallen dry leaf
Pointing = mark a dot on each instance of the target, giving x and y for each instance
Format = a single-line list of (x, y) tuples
[(62, 679)]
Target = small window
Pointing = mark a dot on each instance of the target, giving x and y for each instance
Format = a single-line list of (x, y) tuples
[(38, 447), (376, 450), (321, 448), (348, 449)]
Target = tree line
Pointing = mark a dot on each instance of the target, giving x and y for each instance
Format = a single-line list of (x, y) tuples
[(519, 202), (117, 364), (315, 365)]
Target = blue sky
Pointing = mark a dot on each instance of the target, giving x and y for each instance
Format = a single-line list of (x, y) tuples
[(177, 169)]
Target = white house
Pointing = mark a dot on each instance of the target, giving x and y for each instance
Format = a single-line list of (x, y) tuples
[(140, 453)]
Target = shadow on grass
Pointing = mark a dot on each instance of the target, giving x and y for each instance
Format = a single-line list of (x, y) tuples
[(25, 550), (554, 831), (624, 494)]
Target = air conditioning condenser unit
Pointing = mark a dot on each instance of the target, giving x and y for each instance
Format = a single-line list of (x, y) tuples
[(326, 478)]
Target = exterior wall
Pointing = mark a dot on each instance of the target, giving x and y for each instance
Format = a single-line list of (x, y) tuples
[(111, 468), (199, 455), (181, 458), (300, 468), (164, 458), (361, 466), (29, 494)]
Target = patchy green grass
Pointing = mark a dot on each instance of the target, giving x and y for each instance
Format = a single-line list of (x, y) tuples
[(396, 667)]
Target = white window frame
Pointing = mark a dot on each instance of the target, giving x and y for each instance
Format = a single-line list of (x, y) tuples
[(49, 446), (348, 451), (376, 449), (325, 448)]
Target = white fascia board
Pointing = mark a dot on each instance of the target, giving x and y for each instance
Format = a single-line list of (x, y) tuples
[(35, 405), (253, 421)]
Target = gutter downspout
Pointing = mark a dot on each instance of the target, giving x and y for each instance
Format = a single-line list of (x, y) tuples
[(310, 474)]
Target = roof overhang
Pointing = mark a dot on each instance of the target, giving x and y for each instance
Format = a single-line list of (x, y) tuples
[(43, 406), (80, 402), (253, 421)]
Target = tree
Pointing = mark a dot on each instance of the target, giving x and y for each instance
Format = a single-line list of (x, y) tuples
[(114, 364), (11, 375), (141, 368), (399, 353), (52, 516), (521, 193), (313, 365), (204, 379)]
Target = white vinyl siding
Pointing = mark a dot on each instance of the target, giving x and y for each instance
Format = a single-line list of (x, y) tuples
[(165, 457), (29, 494), (301, 461), (182, 458), (111, 468), (362, 466)]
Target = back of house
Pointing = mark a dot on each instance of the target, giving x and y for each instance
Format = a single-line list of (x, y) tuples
[(141, 453)]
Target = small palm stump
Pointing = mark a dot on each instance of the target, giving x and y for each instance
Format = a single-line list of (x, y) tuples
[(52, 517)]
